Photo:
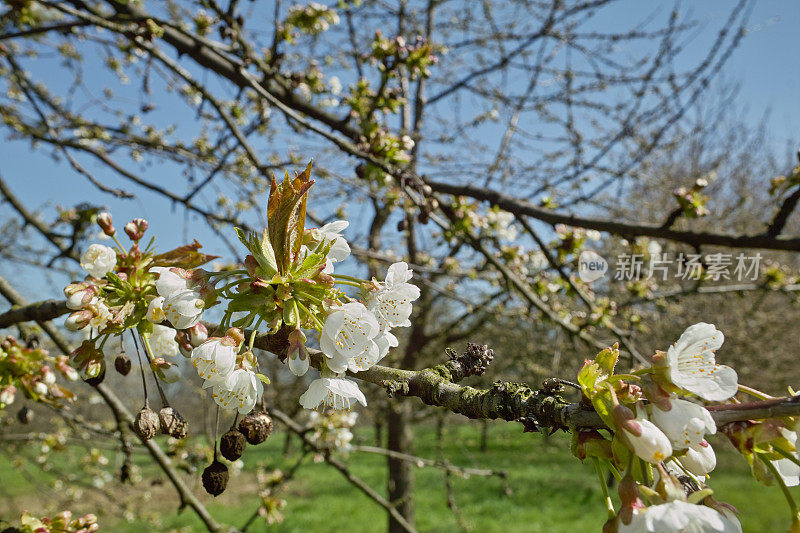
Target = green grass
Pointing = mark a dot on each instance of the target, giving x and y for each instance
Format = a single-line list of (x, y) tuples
[(546, 490)]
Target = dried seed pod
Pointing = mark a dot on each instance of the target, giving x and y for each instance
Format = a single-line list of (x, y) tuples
[(256, 427), (123, 364), (215, 478), (232, 444), (172, 423), (146, 423), (25, 415)]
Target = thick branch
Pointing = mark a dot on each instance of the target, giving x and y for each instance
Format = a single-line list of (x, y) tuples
[(522, 208), (505, 400)]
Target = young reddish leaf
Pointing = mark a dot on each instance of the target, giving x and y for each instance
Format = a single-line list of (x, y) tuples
[(286, 216), (185, 256)]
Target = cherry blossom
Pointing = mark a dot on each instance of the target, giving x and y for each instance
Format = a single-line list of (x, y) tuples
[(391, 303), (183, 308), (692, 366), (646, 440), (214, 359), (685, 424), (162, 341), (98, 260), (348, 331), (332, 391), (680, 517), (700, 459), (240, 390)]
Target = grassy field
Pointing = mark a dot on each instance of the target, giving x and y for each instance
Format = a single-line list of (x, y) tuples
[(546, 490)]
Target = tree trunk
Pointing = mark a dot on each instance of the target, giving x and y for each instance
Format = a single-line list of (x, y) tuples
[(401, 473)]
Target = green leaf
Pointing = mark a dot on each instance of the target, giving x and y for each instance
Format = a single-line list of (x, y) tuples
[(607, 359), (263, 254), (263, 378)]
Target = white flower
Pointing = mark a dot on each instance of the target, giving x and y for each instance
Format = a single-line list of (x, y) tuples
[(392, 302), (40, 388), (98, 260), (48, 376), (692, 365), (240, 390), (334, 392), (214, 359), (788, 469), (183, 308), (162, 341), (685, 424), (7, 395), (155, 311), (700, 459), (170, 280), (332, 232), (680, 517), (348, 331), (81, 299), (101, 316), (648, 442), (501, 222), (297, 355), (369, 357)]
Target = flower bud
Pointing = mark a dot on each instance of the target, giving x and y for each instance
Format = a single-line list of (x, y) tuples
[(78, 320), (215, 478), (132, 231), (146, 424), (236, 334), (256, 428), (105, 223), (40, 388), (7, 395), (94, 373), (232, 445), (48, 376), (197, 334), (172, 423), (123, 364)]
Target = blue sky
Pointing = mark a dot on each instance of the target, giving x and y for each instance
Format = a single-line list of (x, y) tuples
[(765, 65)]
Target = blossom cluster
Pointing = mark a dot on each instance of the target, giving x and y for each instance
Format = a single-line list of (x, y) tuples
[(659, 421), (332, 430), (136, 290), (63, 522), (30, 371)]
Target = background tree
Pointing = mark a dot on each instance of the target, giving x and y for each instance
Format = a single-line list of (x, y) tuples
[(452, 135)]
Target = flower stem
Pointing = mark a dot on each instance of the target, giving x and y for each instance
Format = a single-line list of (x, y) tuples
[(350, 278), (253, 334), (754, 392), (124, 253), (606, 496), (360, 284), (788, 495), (225, 273), (786, 454), (319, 324)]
